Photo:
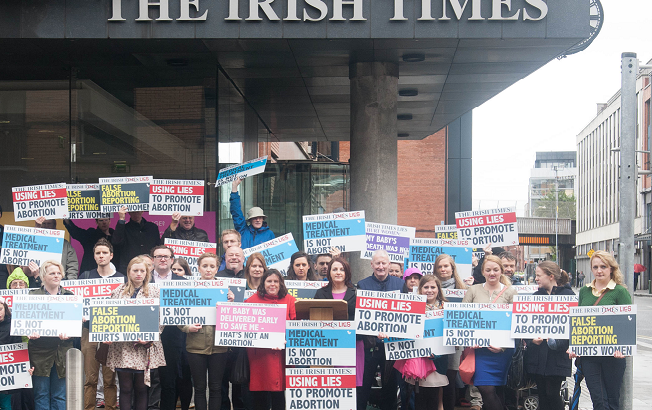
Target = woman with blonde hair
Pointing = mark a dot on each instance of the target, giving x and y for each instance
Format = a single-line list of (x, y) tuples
[(604, 374), (491, 363), (133, 361)]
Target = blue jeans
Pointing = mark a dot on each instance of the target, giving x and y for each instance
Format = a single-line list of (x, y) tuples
[(603, 376), (49, 392)]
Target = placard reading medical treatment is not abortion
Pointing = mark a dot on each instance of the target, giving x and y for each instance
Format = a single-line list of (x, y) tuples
[(22, 245)]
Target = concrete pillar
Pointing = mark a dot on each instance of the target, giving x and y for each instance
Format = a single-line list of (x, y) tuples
[(249, 151), (374, 180)]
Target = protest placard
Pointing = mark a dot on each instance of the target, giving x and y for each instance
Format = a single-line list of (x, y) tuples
[(320, 389), (478, 324), (432, 342), (91, 289), (132, 192), (14, 367), (304, 289), (392, 238), (235, 285), (8, 295), (124, 320), (601, 330), (454, 295), (250, 325), (525, 290), (344, 231), (544, 316), (188, 302), (167, 196), (32, 202), (47, 315), (190, 251), (445, 232), (241, 171), (22, 245), (84, 202), (424, 251), (320, 343), (395, 314), (277, 252), (493, 226)]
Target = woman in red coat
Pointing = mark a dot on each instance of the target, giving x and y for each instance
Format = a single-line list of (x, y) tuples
[(267, 366)]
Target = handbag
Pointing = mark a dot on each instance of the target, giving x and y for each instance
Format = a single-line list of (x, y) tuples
[(102, 353), (467, 365), (240, 369)]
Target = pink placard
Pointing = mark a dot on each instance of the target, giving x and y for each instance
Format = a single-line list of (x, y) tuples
[(250, 325)]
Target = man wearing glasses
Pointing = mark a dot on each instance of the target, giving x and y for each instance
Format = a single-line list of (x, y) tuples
[(134, 238)]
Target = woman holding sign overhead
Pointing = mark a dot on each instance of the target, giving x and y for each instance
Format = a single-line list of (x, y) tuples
[(604, 374), (133, 361), (267, 366), (491, 363), (203, 355), (48, 354), (546, 359)]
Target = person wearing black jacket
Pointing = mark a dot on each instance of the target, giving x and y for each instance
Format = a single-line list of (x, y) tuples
[(164, 383), (134, 238), (183, 228), (234, 264), (88, 238), (547, 359), (478, 277), (339, 283)]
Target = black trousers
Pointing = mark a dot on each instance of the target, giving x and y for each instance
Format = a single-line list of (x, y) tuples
[(372, 359), (214, 365), (604, 376)]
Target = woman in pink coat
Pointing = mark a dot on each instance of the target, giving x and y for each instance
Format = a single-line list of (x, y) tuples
[(267, 366)]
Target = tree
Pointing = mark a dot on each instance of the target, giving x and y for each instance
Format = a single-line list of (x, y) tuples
[(545, 207)]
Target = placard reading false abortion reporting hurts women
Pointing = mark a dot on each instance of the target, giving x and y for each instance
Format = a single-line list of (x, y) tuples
[(395, 314), (190, 251), (250, 325), (188, 302), (478, 324), (304, 289), (32, 202), (241, 171), (544, 316), (344, 231), (424, 252), (91, 289), (8, 295), (319, 343), (22, 245), (431, 343), (601, 330), (392, 238), (454, 295), (493, 226), (277, 252), (167, 196), (132, 192), (14, 367), (47, 315), (84, 202), (320, 389), (124, 320)]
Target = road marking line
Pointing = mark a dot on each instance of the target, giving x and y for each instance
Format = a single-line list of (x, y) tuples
[(643, 344)]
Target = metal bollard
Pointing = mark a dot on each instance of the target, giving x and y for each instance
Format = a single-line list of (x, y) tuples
[(74, 380)]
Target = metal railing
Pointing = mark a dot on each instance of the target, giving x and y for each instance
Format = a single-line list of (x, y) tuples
[(543, 226)]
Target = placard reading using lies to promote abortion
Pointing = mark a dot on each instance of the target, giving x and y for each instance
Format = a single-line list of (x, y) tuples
[(190, 251), (250, 325), (32, 202), (14, 367), (395, 314), (544, 316), (478, 324), (601, 330), (320, 388), (47, 315), (494, 226), (92, 289), (167, 196), (124, 320), (320, 343)]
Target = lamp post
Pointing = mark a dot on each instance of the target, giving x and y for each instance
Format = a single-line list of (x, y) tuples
[(557, 168)]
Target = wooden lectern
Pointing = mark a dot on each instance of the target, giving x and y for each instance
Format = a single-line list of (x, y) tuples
[(322, 309)]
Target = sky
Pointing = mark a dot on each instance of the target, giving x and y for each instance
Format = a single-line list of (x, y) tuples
[(546, 110)]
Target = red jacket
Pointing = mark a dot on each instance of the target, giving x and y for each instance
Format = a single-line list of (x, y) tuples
[(267, 366)]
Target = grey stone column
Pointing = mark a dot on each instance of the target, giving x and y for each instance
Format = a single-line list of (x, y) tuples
[(250, 151), (374, 180)]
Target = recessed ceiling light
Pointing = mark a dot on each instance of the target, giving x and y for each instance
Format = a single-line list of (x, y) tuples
[(414, 58), (408, 92), (404, 117)]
